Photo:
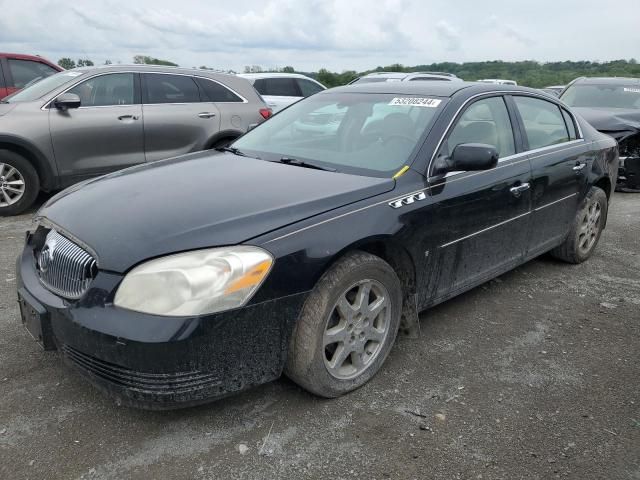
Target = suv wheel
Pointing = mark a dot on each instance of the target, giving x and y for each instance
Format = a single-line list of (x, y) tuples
[(19, 183), (347, 326)]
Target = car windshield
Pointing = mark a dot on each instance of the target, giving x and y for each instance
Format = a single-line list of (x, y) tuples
[(361, 133), (42, 87), (605, 96)]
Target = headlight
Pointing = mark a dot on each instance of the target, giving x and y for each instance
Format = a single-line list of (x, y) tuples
[(195, 283)]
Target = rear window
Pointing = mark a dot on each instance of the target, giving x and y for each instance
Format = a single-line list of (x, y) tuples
[(215, 92), (162, 88), (25, 72), (279, 87)]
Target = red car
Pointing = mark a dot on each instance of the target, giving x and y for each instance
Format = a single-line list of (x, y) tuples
[(17, 71)]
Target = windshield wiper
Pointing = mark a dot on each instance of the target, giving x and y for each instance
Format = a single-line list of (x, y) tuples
[(233, 150), (301, 163)]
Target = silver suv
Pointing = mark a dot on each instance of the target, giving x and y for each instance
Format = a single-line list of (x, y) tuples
[(86, 122)]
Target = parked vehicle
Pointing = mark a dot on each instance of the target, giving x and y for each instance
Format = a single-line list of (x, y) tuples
[(498, 81), (380, 77), (280, 90), (612, 105), (86, 122), (301, 254), (554, 89), (17, 71)]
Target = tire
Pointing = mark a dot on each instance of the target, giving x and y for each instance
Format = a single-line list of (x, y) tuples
[(369, 337), (586, 228), (15, 168)]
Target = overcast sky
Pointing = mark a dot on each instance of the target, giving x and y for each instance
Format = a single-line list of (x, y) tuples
[(311, 34)]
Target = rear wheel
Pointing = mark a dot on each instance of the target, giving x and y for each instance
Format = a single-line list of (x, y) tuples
[(347, 326), (586, 228), (19, 183)]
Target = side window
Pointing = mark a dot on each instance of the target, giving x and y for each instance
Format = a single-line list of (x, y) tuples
[(215, 92), (112, 89), (568, 119), (27, 71), (260, 85), (543, 122), (170, 89), (281, 87), (485, 121), (307, 87)]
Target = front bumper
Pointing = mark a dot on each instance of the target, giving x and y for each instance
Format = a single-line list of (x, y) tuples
[(155, 362)]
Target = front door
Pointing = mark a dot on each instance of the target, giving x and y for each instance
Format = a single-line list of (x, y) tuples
[(105, 133), (478, 221), (559, 166)]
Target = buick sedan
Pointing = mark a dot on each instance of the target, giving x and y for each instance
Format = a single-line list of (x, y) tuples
[(304, 251)]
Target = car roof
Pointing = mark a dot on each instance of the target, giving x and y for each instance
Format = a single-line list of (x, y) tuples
[(273, 75), (436, 89), (152, 68), (607, 80), (22, 56)]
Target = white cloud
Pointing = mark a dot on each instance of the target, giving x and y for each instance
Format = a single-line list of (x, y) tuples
[(310, 34)]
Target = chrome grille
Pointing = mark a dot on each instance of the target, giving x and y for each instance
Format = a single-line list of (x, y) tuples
[(64, 267)]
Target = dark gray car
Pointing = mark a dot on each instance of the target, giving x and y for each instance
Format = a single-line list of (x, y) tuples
[(86, 122)]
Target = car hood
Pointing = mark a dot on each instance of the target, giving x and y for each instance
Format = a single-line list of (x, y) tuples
[(6, 108), (196, 201), (620, 123)]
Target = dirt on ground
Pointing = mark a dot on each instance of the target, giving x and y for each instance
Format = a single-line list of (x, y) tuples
[(534, 375)]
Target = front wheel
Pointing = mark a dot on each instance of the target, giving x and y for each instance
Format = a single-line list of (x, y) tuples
[(347, 326), (586, 228), (19, 183)]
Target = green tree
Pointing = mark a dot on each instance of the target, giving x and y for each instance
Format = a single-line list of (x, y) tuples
[(67, 63), (146, 60), (84, 62), (288, 69)]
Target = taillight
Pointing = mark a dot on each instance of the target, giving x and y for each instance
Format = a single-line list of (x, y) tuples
[(266, 112)]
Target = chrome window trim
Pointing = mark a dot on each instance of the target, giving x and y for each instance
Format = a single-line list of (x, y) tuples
[(499, 93), (47, 103)]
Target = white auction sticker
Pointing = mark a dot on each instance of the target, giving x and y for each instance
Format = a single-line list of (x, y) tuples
[(634, 90), (416, 102)]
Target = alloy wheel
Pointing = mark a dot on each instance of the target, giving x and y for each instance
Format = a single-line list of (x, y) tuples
[(12, 185), (356, 329), (590, 227)]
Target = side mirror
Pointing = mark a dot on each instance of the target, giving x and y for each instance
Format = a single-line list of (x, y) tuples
[(66, 101), (468, 157)]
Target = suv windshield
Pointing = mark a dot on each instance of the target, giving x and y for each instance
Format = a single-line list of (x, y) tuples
[(361, 133), (42, 87), (607, 96)]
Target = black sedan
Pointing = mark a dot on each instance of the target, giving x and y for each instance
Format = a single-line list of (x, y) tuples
[(302, 250)]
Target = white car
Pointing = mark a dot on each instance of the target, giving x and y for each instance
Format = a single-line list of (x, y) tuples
[(377, 77), (498, 81), (280, 90)]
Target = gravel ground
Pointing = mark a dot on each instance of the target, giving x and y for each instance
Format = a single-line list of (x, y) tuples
[(534, 375)]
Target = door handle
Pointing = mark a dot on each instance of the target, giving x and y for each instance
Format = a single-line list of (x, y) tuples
[(518, 189), (579, 166), (128, 117), (206, 114)]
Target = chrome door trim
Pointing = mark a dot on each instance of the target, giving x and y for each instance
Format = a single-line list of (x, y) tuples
[(555, 201), (484, 230)]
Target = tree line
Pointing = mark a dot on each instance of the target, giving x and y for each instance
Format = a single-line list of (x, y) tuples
[(529, 73)]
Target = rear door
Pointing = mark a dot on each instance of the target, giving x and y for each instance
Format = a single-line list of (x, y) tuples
[(105, 133), (278, 92), (178, 119), (558, 163), (478, 221)]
